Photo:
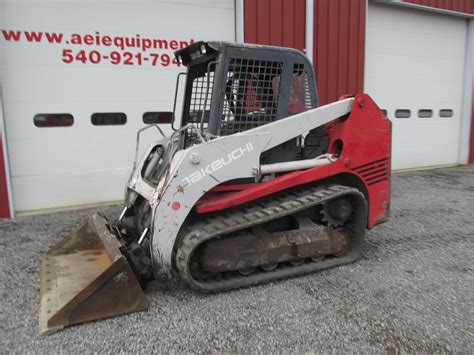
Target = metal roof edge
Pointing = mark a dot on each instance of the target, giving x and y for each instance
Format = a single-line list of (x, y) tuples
[(423, 8)]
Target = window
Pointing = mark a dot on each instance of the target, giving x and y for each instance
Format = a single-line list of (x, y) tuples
[(53, 120), (200, 84), (425, 113), (109, 119), (157, 117), (445, 113), (251, 94), (299, 99), (402, 113), (201, 95)]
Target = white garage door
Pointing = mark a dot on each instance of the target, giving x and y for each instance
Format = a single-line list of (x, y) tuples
[(415, 70), (83, 58)]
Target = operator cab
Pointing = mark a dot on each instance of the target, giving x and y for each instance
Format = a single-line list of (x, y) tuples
[(232, 88)]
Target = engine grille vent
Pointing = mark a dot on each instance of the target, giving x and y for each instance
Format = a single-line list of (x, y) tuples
[(374, 172)]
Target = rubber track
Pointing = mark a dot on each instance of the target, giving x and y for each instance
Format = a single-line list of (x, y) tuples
[(283, 204)]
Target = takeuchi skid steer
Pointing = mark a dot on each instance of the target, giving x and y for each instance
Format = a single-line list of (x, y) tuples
[(257, 183)]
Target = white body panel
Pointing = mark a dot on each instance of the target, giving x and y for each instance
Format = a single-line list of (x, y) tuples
[(83, 164), (416, 60)]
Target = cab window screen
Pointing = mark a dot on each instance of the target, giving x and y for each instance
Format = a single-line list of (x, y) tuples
[(299, 99), (251, 94)]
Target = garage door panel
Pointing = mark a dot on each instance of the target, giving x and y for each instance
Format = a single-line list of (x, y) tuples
[(415, 60), (418, 46), (46, 160), (411, 159), (53, 190), (53, 85), (75, 156), (424, 144), (421, 70), (400, 99), (407, 156), (421, 136), (20, 120), (413, 21), (82, 147)]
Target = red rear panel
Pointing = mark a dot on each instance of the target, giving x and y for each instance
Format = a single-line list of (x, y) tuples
[(364, 162)]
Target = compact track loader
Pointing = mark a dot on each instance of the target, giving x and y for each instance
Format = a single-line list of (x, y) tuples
[(257, 183)]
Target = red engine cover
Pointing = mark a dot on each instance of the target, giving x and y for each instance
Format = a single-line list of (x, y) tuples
[(363, 142)]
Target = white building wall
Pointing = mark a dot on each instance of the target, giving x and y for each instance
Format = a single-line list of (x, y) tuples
[(83, 164)]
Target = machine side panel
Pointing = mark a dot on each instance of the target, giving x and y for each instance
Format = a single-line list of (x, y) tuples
[(365, 137), (200, 168)]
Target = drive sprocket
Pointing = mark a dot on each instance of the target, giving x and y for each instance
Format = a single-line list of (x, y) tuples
[(336, 212)]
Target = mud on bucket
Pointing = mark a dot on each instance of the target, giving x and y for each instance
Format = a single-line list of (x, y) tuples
[(86, 277)]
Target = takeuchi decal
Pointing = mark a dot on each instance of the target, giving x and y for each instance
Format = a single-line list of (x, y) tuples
[(217, 164), (99, 48)]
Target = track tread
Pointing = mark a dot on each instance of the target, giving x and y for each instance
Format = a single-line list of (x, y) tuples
[(200, 230)]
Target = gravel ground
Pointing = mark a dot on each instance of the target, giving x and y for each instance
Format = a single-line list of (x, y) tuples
[(410, 291)]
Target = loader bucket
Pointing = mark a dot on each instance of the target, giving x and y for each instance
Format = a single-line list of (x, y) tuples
[(86, 277)]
